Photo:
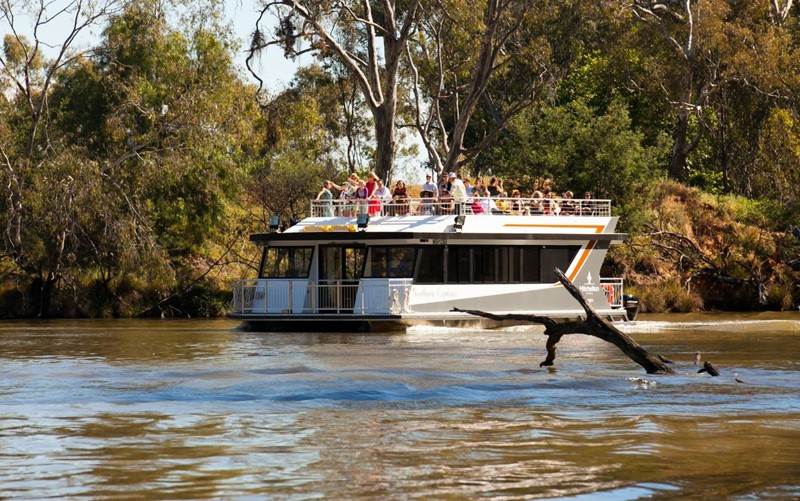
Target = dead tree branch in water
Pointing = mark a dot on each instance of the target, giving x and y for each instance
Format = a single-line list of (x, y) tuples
[(593, 325)]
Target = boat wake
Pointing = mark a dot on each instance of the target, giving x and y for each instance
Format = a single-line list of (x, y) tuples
[(732, 325)]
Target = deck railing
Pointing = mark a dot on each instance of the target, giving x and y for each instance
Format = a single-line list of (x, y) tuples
[(613, 290), (300, 296), (473, 206), (366, 297)]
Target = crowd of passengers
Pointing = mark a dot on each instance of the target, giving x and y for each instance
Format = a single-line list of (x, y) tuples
[(451, 195)]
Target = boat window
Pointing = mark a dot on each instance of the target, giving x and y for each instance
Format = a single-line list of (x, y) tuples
[(555, 257), (287, 262), (530, 264), (392, 262), (458, 265), (509, 265), (499, 264), (484, 265), (462, 264), (431, 265)]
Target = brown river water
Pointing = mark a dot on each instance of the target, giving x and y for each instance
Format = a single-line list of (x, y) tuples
[(197, 409)]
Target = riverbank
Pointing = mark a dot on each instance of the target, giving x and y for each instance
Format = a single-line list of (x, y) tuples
[(698, 252), (687, 251)]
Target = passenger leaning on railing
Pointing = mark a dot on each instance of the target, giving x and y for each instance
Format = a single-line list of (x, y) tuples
[(361, 196), (537, 204), (445, 202), (400, 198), (567, 205), (378, 198), (426, 204), (326, 199), (586, 204)]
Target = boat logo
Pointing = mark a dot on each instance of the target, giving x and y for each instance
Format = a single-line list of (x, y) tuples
[(589, 286)]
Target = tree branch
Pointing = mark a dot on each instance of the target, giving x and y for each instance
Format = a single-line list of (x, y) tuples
[(593, 325)]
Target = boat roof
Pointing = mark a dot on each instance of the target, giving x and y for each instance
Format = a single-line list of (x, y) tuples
[(505, 226)]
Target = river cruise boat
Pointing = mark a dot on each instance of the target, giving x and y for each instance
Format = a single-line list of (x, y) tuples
[(388, 265)]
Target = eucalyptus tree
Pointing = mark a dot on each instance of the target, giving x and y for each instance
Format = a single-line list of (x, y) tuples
[(779, 10), (469, 56), (367, 37), (34, 57), (137, 153), (301, 127), (705, 47)]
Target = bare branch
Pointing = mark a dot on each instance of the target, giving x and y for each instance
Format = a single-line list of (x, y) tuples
[(593, 325)]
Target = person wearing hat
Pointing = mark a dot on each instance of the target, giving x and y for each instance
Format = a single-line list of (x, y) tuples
[(458, 191)]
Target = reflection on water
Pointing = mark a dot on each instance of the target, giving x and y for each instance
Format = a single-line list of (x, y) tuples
[(198, 409)]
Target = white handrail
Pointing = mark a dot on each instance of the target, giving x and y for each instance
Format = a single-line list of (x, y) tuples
[(472, 206), (300, 296), (613, 289)]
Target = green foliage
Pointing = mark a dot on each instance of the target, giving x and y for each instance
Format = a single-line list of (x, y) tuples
[(135, 167), (581, 150), (138, 164), (669, 296)]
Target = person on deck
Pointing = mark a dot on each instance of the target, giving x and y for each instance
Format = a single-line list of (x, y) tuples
[(587, 206), (568, 204), (444, 183), (537, 205), (492, 188), (400, 198), (426, 203), (372, 183), (445, 202), (429, 185), (361, 196), (458, 191), (378, 198), (326, 197)]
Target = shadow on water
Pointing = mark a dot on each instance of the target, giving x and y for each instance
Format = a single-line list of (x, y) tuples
[(198, 409)]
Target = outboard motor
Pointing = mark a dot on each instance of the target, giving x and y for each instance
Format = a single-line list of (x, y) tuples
[(631, 305)]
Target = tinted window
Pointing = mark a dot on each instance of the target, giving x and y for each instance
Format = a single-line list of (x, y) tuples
[(392, 262), (431, 265), (483, 262), (530, 264), (555, 257), (509, 265), (458, 265), (467, 264), (287, 262)]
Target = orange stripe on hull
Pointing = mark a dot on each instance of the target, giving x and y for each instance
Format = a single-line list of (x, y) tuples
[(582, 260)]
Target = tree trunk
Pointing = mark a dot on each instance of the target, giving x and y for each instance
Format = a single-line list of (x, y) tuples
[(46, 295), (386, 139), (677, 162), (594, 325)]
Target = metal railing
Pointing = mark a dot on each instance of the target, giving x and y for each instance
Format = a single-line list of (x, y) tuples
[(472, 206), (612, 287), (300, 296)]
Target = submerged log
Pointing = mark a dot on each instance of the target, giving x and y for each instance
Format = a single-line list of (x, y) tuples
[(707, 367), (593, 325)]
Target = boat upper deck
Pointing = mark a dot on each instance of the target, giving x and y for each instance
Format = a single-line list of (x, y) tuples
[(483, 206), (510, 219)]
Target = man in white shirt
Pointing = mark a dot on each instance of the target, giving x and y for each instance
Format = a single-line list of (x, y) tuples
[(380, 196), (428, 185), (458, 192), (381, 192)]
